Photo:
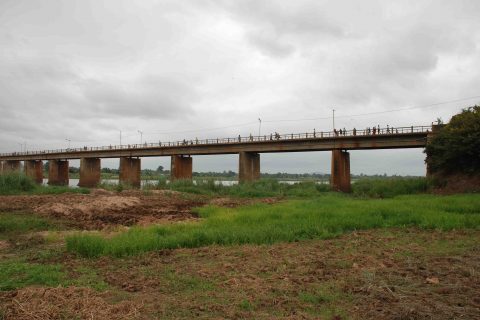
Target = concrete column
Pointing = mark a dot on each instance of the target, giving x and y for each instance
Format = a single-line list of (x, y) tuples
[(11, 165), (34, 170), (58, 172), (181, 168), (340, 175), (249, 167), (89, 172), (130, 171)]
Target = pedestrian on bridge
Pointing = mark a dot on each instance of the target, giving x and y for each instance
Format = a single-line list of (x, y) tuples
[(374, 130), (354, 131)]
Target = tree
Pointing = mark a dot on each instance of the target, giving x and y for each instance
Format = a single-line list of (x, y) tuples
[(455, 148), (160, 169)]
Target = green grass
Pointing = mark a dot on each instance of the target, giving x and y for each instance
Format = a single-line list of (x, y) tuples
[(261, 188), (17, 223), (387, 188), (322, 217), (19, 274), (372, 188), (18, 183), (15, 275), (11, 183)]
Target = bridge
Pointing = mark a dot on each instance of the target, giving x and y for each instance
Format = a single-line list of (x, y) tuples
[(248, 148)]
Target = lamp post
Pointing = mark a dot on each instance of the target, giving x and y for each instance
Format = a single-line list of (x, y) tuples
[(141, 136), (68, 142), (259, 126), (333, 118), (120, 137)]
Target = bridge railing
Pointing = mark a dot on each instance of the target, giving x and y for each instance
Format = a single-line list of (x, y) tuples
[(373, 131)]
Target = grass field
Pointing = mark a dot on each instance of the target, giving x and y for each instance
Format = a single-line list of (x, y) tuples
[(18, 183), (371, 188), (388, 250), (319, 218)]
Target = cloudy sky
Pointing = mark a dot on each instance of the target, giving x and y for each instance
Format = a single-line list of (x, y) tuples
[(85, 69)]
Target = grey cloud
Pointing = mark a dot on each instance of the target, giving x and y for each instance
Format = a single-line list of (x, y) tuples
[(149, 97), (276, 28), (270, 45)]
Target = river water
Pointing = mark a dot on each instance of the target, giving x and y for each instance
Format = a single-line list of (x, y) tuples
[(74, 182)]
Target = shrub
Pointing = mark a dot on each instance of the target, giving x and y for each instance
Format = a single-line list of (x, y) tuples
[(11, 183), (387, 188), (455, 148)]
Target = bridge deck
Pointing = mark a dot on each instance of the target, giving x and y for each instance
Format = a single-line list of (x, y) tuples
[(391, 138)]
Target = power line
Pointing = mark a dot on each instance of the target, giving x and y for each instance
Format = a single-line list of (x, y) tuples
[(287, 120), (376, 112)]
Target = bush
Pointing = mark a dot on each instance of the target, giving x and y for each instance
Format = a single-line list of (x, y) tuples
[(11, 183), (260, 188), (387, 188), (455, 148)]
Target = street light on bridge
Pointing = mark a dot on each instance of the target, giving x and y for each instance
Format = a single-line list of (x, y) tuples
[(141, 136)]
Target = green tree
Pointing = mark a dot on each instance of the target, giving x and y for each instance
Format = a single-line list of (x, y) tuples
[(455, 148)]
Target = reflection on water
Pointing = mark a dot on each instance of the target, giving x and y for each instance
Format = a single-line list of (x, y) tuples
[(74, 182)]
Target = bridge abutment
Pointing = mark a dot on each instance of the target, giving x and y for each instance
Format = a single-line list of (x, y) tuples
[(181, 168), (34, 170), (130, 169), (340, 175), (58, 172), (89, 172), (249, 167)]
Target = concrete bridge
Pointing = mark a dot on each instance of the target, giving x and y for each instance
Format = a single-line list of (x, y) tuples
[(248, 148)]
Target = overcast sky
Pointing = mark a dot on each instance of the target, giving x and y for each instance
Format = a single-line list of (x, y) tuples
[(84, 70)]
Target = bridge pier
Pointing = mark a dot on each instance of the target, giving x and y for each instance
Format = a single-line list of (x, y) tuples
[(340, 175), (181, 168), (11, 166), (58, 172), (89, 172), (130, 171), (34, 170), (249, 167)]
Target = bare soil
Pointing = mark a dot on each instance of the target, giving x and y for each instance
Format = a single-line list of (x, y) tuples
[(66, 303), (376, 274), (458, 183), (102, 209)]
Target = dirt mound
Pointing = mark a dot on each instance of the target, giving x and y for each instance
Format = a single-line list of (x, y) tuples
[(4, 245), (458, 183), (236, 202), (99, 210), (96, 204), (65, 303), (102, 209)]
